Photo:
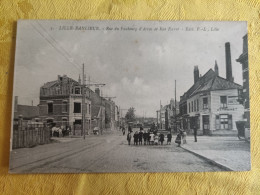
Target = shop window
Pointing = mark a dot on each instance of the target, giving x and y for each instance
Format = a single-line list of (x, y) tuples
[(223, 101), (224, 121), (77, 107), (205, 103)]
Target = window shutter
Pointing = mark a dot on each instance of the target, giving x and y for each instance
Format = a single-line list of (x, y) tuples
[(217, 122)]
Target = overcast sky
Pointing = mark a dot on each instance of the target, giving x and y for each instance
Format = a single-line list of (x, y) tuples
[(138, 67)]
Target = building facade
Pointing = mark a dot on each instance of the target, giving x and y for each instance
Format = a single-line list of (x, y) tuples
[(61, 104), (211, 104), (244, 95), (166, 115)]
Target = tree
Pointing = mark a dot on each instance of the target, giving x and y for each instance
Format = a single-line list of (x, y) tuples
[(130, 115)]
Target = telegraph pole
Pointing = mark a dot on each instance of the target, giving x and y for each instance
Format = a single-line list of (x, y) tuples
[(83, 103)]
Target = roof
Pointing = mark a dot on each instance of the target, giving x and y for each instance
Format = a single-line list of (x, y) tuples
[(210, 81), (27, 112), (53, 83)]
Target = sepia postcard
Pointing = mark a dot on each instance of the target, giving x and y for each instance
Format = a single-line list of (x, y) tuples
[(130, 96)]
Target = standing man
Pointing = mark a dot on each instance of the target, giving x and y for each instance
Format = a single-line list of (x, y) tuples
[(195, 132)]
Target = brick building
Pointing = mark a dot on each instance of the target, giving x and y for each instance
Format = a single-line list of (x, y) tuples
[(61, 104)]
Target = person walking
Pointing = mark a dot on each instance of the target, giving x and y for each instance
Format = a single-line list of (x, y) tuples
[(129, 137)]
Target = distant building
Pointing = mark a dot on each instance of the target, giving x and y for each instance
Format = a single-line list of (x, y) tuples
[(243, 59), (211, 103), (61, 104), (26, 112), (166, 115), (97, 109)]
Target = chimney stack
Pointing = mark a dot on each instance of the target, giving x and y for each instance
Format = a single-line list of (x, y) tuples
[(97, 91), (79, 80), (196, 74), (216, 68), (228, 63)]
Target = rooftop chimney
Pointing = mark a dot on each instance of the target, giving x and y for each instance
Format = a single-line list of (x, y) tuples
[(228, 63), (196, 74), (97, 91), (216, 68)]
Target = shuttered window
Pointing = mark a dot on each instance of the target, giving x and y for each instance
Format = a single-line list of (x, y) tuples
[(217, 122)]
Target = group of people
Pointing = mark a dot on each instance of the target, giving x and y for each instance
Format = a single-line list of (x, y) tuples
[(147, 137)]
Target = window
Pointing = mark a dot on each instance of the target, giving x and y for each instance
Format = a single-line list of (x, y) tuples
[(223, 101), (77, 107), (197, 104), (189, 107), (89, 109), (205, 103), (192, 106), (50, 108), (224, 121), (77, 90), (65, 106)]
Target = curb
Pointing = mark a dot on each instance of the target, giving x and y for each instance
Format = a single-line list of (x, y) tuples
[(209, 160)]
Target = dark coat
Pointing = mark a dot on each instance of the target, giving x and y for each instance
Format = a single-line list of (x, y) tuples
[(161, 137)]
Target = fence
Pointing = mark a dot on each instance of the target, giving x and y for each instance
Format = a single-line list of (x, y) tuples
[(28, 134)]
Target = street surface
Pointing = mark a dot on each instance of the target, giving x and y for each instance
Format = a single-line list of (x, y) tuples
[(109, 152)]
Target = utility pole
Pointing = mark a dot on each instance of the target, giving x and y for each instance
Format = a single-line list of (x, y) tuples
[(160, 114)]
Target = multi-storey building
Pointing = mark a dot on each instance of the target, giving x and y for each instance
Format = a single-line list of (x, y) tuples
[(211, 103), (61, 104), (166, 115)]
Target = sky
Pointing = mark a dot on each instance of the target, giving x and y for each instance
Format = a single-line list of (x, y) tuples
[(138, 61)]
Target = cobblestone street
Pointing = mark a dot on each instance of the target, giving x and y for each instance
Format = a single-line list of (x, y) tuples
[(105, 153)]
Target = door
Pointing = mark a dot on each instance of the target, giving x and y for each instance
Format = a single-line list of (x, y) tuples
[(205, 121)]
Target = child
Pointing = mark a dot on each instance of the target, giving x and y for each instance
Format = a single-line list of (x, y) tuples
[(156, 139), (178, 139)]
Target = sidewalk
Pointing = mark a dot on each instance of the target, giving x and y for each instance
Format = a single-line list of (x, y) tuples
[(227, 152)]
